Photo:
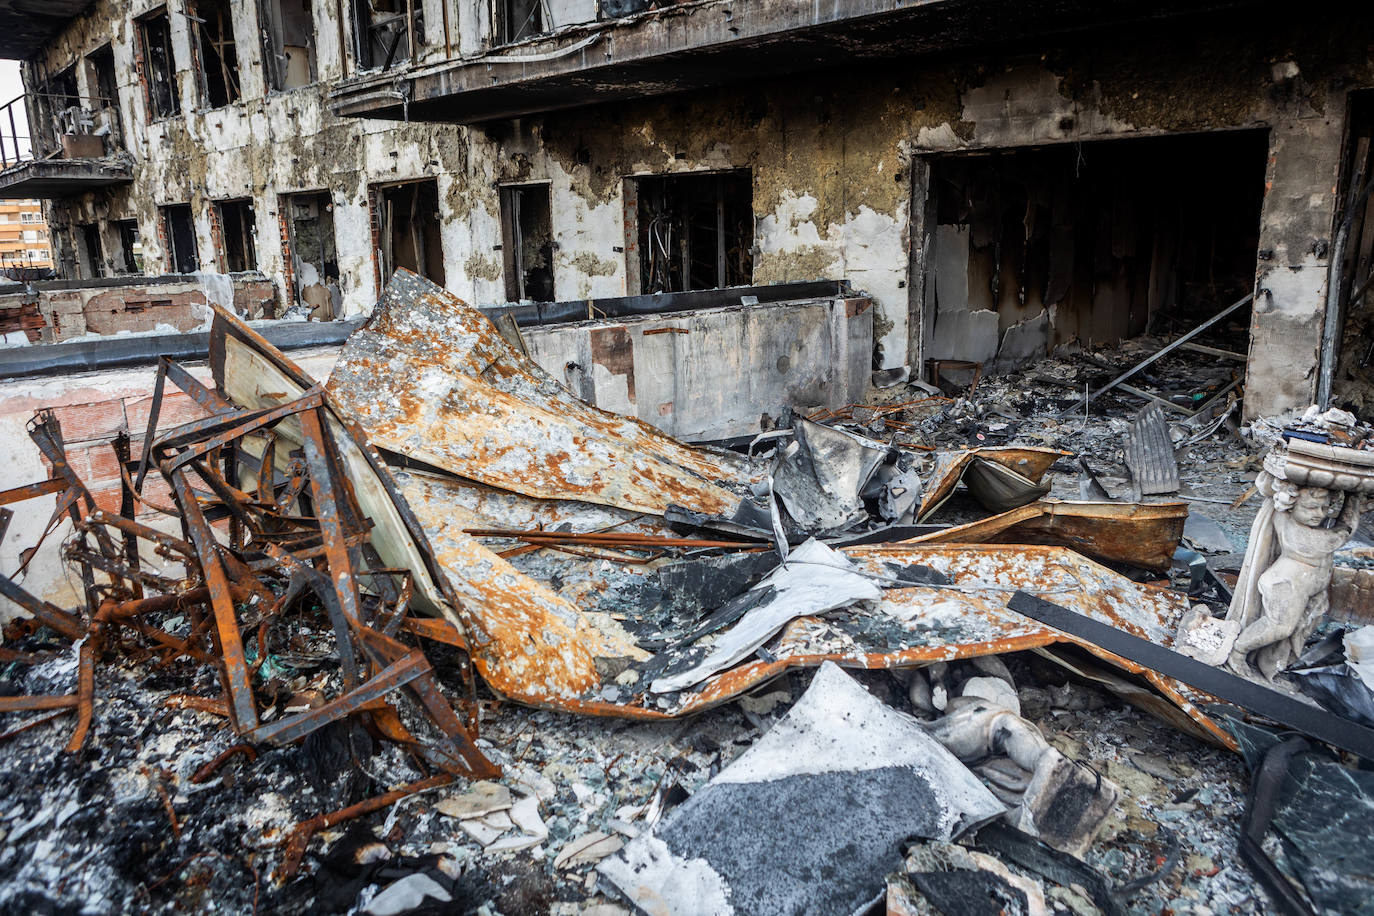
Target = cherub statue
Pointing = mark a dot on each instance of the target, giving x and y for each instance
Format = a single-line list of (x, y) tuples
[(1282, 591)]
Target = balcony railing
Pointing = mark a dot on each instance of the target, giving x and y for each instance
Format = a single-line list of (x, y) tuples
[(78, 127)]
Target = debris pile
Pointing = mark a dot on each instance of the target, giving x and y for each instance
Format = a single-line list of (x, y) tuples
[(354, 576)]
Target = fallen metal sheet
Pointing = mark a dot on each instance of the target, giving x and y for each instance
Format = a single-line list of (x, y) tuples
[(822, 474), (1030, 463), (812, 580), (429, 377), (1141, 534), (1150, 454), (832, 790)]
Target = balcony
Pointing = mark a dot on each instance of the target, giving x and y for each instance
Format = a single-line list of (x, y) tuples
[(81, 150), (698, 45)]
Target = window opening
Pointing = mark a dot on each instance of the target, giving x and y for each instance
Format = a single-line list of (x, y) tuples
[(527, 242), (695, 231)]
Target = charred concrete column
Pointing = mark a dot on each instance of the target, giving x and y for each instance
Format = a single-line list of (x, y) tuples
[(1294, 258)]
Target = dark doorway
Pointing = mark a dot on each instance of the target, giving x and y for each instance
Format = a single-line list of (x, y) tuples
[(219, 56), (130, 255), (408, 223), (1353, 364), (180, 231), (695, 231), (314, 259), (289, 43), (92, 252), (159, 66), (1031, 249), (239, 230), (527, 242)]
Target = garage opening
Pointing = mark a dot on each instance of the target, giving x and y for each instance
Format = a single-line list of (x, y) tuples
[(527, 242), (1086, 244), (408, 230), (693, 231)]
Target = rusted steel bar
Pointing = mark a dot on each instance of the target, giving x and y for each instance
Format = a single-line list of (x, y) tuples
[(299, 838), (327, 510), (209, 769), (32, 723), (41, 701), (137, 529), (161, 603), (126, 509), (32, 490), (85, 693), (435, 629), (154, 410), (65, 623), (236, 679), (117, 569), (202, 395), (200, 437), (604, 538)]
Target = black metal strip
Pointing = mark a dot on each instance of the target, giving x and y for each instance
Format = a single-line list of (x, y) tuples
[(1297, 715)]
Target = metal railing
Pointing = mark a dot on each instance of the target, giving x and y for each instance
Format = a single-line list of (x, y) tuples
[(70, 115)]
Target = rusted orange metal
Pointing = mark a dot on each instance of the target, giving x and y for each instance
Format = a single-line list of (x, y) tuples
[(1141, 534), (431, 378), (1031, 463)]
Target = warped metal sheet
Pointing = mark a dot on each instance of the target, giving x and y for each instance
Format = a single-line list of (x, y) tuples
[(1150, 453), (1031, 463), (431, 378), (1142, 534)]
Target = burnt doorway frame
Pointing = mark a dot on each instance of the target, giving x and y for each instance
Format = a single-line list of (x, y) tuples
[(383, 199)]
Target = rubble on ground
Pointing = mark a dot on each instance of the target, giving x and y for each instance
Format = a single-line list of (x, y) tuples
[(437, 636)]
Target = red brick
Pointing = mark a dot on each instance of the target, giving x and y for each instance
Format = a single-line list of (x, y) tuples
[(177, 408), (97, 420)]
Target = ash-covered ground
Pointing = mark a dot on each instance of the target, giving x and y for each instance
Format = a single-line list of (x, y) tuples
[(122, 827)]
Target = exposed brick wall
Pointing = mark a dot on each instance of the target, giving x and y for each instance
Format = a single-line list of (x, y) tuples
[(217, 238), (288, 263)]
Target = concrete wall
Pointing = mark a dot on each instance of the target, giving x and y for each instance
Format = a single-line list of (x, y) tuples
[(837, 160), (712, 374)]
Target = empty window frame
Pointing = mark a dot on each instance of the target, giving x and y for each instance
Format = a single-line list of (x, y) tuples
[(159, 65), (694, 231), (213, 22), (408, 230), (100, 69), (288, 44), (179, 231), (238, 234), (527, 242), (384, 31), (92, 253), (313, 257), (129, 258), (517, 20)]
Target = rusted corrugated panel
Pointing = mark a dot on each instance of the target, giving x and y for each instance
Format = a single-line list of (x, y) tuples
[(431, 378)]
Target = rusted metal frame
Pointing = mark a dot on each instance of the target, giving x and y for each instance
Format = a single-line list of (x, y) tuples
[(299, 838), (234, 666), (126, 509), (42, 701), (46, 433), (159, 604), (170, 542), (237, 519), (435, 629), (130, 483), (200, 437), (204, 396), (458, 745), (267, 472), (50, 615), (119, 569), (323, 491), (154, 410), (33, 490), (228, 499), (379, 685), (343, 627)]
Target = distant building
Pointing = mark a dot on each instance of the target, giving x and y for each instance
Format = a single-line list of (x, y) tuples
[(24, 242)]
